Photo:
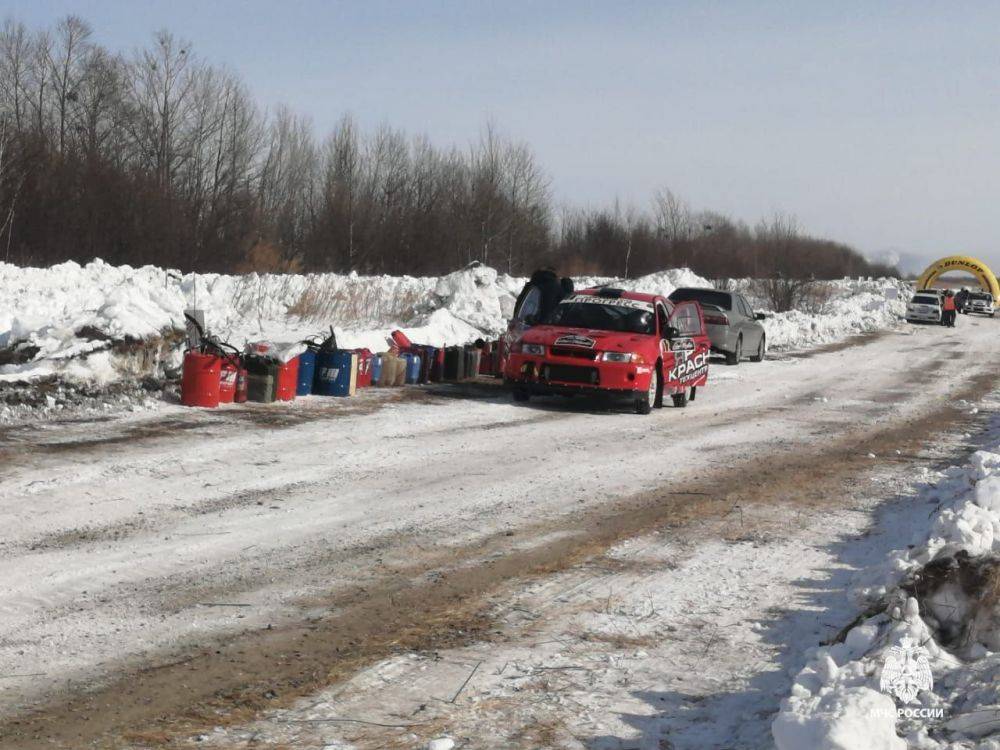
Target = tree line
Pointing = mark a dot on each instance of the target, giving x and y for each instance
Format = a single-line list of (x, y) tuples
[(629, 242), (159, 157)]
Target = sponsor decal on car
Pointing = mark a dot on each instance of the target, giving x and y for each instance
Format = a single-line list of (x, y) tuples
[(592, 299), (691, 367), (575, 340), (682, 345)]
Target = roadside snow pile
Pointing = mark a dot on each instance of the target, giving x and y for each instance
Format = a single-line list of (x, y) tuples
[(67, 320), (924, 673), (85, 323), (854, 307), (661, 282)]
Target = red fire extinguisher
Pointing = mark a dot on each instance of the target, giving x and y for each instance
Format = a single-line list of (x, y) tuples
[(228, 375), (242, 377)]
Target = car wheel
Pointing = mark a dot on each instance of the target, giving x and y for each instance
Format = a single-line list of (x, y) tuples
[(644, 404), (761, 350), (658, 403), (733, 358), (680, 399), (520, 394)]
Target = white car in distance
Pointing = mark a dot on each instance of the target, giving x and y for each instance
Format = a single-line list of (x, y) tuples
[(981, 303), (925, 307)]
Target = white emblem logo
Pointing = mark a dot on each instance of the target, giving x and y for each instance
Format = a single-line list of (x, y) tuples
[(571, 339), (906, 670)]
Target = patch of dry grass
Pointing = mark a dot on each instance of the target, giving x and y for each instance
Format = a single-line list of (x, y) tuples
[(353, 300)]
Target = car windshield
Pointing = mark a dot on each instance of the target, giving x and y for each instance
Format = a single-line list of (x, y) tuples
[(980, 296), (624, 316), (924, 300), (704, 296)]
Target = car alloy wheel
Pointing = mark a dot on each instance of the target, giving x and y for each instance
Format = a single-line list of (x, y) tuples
[(736, 356), (644, 404)]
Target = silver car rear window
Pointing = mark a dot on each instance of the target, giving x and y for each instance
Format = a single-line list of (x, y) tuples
[(704, 296)]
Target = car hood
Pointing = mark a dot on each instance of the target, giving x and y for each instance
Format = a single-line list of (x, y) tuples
[(584, 338)]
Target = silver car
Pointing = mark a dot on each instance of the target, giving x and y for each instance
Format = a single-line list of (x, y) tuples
[(980, 302), (732, 325)]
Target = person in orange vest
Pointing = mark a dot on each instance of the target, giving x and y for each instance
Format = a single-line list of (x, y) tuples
[(948, 309)]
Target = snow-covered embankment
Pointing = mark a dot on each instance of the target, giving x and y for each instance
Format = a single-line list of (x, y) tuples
[(939, 623)]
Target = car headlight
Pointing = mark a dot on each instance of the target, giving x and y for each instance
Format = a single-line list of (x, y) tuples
[(621, 357), (537, 350)]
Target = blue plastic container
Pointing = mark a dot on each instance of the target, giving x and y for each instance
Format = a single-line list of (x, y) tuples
[(307, 373), (376, 367), (412, 368), (334, 373)]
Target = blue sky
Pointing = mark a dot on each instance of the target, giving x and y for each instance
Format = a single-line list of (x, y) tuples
[(872, 123)]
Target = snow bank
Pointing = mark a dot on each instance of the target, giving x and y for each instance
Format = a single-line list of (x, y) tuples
[(64, 320), (854, 307), (940, 595), (51, 313)]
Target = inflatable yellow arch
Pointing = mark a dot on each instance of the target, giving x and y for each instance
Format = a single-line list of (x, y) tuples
[(960, 263)]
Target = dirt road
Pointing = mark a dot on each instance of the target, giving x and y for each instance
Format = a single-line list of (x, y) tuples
[(167, 572)]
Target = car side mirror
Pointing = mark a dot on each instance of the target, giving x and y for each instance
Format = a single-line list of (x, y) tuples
[(759, 316), (670, 332)]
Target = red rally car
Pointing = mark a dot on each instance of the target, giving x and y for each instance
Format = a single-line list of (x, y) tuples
[(611, 342)]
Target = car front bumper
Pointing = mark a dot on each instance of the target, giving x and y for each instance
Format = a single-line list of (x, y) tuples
[(561, 375), (556, 389), (914, 316)]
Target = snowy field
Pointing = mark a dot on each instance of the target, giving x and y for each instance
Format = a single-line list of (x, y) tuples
[(66, 320), (637, 582)]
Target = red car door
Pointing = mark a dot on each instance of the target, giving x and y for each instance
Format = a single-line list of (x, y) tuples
[(690, 347)]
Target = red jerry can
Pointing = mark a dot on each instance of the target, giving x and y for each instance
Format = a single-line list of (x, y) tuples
[(364, 367), (200, 380), (401, 341), (437, 366), (288, 380), (228, 375), (242, 384), (486, 358)]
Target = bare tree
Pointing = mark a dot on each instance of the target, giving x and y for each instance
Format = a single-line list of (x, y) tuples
[(39, 80), (672, 216), (11, 182), (66, 58), (15, 55), (160, 88)]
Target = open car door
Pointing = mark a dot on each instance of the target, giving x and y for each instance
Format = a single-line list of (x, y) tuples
[(526, 309), (688, 367)]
